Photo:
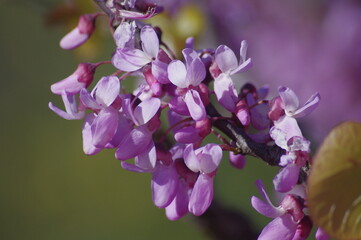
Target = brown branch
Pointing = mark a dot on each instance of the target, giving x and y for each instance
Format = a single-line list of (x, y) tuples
[(102, 5), (269, 154)]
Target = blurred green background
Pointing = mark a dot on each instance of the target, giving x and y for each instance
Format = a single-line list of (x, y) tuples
[(49, 188)]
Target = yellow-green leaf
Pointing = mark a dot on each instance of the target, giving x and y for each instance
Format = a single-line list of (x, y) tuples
[(334, 184)]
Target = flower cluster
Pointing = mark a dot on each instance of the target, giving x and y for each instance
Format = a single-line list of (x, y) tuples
[(178, 95)]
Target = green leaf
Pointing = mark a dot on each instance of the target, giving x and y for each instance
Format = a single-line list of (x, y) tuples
[(334, 184)]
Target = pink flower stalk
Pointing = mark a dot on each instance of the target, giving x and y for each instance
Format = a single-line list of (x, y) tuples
[(81, 33)]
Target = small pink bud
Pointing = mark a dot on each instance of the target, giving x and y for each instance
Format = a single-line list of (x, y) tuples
[(81, 33), (81, 78), (237, 160)]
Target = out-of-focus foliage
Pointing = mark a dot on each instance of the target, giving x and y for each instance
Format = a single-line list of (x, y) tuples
[(334, 183)]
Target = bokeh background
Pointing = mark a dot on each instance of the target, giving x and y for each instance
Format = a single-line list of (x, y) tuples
[(51, 190)]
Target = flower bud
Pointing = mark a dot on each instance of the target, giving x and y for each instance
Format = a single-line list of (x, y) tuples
[(81, 78), (237, 160), (81, 33)]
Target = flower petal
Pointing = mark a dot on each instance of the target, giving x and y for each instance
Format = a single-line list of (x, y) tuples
[(289, 126), (309, 106), (106, 90), (104, 127), (178, 105), (146, 110), (150, 41), (202, 195), (287, 178), (147, 158), (196, 72), (177, 73), (129, 59), (134, 144), (159, 71), (242, 67), (70, 85), (243, 50), (195, 105), (88, 147), (179, 206), (263, 192), (187, 135), (88, 101), (289, 99), (125, 126), (190, 158), (124, 35), (210, 158), (189, 56), (225, 92), (280, 228), (265, 209), (164, 185), (226, 59), (72, 112), (132, 167), (73, 39)]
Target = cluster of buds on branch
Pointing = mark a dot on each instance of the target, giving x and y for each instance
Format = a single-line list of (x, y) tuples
[(181, 96)]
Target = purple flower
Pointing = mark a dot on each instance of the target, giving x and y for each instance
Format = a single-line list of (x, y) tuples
[(297, 155), (287, 124), (291, 103), (81, 33), (188, 77), (227, 62), (190, 131), (204, 160), (138, 143), (101, 127), (288, 219)]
